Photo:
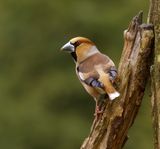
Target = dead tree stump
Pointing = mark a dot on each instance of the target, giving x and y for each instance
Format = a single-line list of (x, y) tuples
[(110, 130)]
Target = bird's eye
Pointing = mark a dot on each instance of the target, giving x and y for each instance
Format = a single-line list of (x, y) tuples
[(76, 44)]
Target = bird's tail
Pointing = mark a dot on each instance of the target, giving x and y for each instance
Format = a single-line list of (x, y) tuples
[(113, 95), (108, 86)]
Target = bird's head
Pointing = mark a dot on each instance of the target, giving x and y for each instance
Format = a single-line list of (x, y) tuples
[(80, 48)]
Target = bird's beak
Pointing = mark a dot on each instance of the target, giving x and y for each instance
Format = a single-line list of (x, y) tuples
[(68, 47)]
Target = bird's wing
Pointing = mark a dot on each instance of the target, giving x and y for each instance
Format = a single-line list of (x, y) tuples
[(90, 78), (112, 72), (107, 66), (87, 72)]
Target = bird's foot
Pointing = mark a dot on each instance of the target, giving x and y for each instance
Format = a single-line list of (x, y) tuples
[(98, 112)]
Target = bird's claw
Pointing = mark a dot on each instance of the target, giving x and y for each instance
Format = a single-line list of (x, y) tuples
[(98, 112)]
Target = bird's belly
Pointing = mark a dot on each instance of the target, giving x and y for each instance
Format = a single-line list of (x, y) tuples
[(94, 92)]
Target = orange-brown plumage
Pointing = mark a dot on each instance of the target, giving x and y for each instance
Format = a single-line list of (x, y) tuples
[(95, 70)]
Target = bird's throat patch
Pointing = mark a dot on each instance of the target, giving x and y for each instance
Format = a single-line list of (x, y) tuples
[(74, 56)]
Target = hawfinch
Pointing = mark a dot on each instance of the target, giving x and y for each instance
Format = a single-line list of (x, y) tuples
[(95, 70)]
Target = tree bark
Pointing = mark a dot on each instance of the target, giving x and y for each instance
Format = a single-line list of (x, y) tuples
[(154, 18), (110, 130)]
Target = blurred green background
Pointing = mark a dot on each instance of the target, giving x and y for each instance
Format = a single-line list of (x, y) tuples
[(42, 103)]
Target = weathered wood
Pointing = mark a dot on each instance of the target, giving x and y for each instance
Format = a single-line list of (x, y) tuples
[(110, 130), (154, 18)]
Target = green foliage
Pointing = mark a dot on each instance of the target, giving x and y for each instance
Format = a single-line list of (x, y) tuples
[(42, 104)]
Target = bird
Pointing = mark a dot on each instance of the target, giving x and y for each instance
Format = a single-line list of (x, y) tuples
[(95, 70)]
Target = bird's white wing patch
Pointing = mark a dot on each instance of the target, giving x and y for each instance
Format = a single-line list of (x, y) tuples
[(81, 76)]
